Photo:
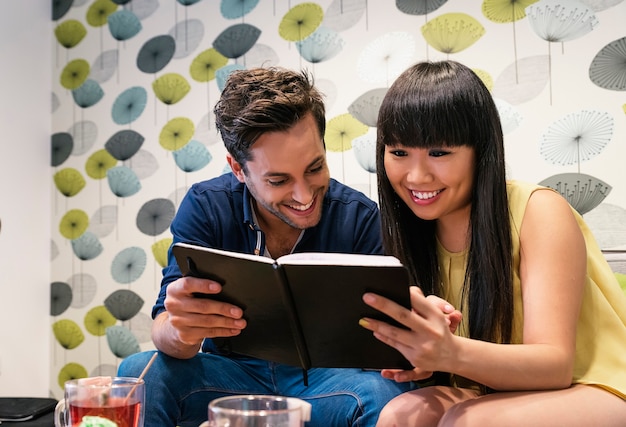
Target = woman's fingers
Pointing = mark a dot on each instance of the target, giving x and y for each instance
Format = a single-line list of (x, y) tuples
[(453, 315), (402, 376), (401, 338), (427, 325), (396, 311)]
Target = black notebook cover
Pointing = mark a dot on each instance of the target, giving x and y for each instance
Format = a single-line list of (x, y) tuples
[(24, 410), (301, 310)]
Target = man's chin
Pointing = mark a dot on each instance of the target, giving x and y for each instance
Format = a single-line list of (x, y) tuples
[(303, 222)]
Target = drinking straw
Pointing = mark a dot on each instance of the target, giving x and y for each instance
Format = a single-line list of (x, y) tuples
[(143, 373)]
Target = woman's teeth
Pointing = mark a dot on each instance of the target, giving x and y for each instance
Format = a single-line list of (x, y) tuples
[(425, 195)]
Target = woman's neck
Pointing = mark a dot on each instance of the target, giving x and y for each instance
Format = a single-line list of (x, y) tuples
[(453, 232)]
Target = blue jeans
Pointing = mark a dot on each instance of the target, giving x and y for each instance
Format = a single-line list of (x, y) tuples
[(178, 391)]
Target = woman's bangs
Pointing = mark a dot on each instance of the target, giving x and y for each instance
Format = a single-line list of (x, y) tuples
[(420, 124)]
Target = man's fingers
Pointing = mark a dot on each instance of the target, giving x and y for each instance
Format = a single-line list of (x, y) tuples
[(196, 286)]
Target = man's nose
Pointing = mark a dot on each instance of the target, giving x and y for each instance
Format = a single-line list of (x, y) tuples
[(302, 191)]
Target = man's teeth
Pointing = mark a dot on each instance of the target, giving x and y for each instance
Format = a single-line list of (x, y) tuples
[(302, 207), (425, 196)]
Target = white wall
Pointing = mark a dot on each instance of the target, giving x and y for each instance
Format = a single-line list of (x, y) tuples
[(25, 28)]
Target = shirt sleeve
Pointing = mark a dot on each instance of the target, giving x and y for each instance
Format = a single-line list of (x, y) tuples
[(191, 224)]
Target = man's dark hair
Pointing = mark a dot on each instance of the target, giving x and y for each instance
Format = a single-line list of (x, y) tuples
[(262, 100)]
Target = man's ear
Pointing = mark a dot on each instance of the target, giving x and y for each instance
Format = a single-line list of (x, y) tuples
[(236, 167)]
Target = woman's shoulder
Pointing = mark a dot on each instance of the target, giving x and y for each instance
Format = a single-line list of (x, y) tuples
[(539, 208), (520, 192), (523, 188), (533, 200)]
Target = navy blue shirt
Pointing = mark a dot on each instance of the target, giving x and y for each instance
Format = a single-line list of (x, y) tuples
[(217, 213)]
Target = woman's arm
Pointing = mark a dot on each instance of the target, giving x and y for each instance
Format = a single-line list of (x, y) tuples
[(552, 272), (553, 267)]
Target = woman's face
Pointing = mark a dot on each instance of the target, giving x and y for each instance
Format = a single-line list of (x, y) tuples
[(435, 183)]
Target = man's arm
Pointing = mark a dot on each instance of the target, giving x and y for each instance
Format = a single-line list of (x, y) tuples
[(181, 319)]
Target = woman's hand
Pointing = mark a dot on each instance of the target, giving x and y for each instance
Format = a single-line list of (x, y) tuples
[(402, 376), (454, 316), (427, 343)]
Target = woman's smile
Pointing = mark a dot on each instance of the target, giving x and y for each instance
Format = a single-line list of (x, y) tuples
[(424, 196)]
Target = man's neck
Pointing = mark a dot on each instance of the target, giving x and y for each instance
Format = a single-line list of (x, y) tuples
[(280, 237), (279, 244)]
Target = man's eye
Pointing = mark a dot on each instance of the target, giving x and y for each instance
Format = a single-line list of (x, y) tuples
[(316, 169), (276, 183)]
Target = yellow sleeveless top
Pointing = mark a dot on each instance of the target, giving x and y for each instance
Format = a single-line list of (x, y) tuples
[(601, 332)]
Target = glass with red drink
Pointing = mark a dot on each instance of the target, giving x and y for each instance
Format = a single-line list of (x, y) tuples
[(102, 402)]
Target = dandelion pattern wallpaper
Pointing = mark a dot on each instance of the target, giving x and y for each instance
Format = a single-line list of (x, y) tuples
[(135, 81)]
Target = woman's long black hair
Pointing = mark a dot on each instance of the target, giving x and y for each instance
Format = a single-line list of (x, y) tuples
[(439, 104)]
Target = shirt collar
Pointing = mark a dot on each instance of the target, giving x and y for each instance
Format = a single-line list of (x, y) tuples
[(248, 212)]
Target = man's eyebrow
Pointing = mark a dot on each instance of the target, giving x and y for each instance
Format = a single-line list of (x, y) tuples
[(271, 174), (315, 161), (275, 174)]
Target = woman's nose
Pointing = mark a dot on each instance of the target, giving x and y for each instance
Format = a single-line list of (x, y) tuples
[(419, 173)]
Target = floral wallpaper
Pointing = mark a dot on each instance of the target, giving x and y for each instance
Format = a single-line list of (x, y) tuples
[(135, 81)]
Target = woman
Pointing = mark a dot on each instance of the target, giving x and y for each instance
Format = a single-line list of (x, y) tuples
[(543, 336)]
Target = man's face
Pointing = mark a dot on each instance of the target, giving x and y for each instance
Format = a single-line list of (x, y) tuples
[(288, 175)]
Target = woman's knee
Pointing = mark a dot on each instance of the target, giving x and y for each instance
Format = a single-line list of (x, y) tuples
[(415, 408), (423, 407)]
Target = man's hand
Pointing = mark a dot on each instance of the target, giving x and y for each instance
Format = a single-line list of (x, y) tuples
[(192, 315)]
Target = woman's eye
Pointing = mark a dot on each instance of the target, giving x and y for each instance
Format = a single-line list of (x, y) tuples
[(438, 153), (398, 153)]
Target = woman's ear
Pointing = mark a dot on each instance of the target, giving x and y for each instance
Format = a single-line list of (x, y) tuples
[(236, 167)]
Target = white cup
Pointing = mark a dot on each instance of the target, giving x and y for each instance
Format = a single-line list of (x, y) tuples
[(258, 411)]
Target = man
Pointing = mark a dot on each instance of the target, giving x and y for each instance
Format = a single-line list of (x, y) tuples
[(278, 199)]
